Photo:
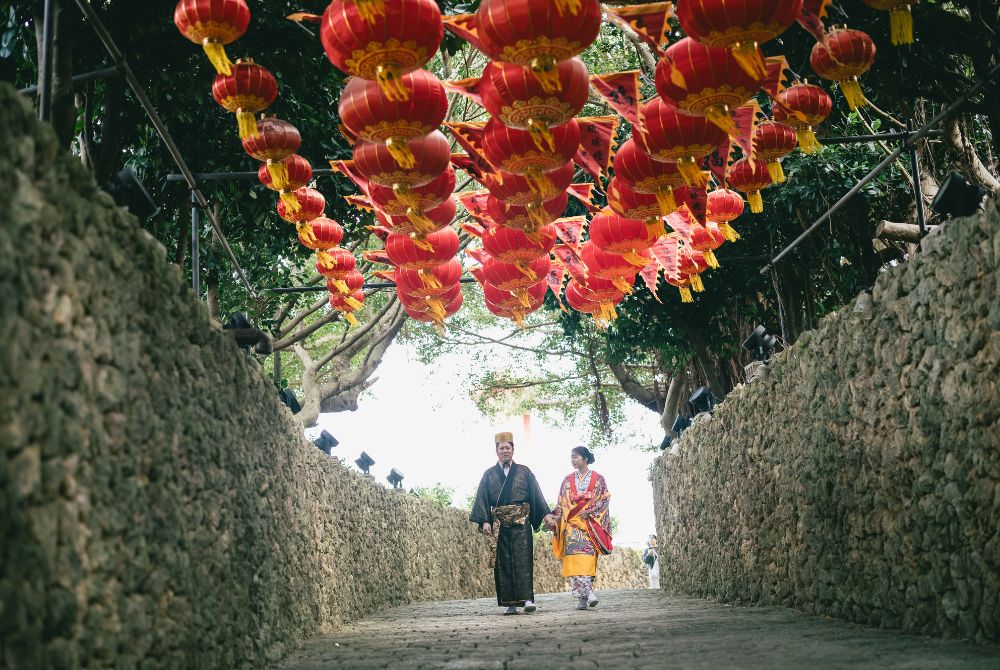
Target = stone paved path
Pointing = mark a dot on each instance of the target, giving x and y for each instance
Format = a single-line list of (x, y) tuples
[(629, 629)]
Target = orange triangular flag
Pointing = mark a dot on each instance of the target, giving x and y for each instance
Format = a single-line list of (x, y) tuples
[(649, 21), (621, 91)]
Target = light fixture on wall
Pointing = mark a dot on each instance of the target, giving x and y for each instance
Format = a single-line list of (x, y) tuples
[(246, 336), (129, 194), (365, 462), (957, 197), (395, 478), (702, 400), (326, 442), (760, 344), (681, 423)]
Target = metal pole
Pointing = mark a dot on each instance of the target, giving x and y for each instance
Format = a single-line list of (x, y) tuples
[(239, 176), (888, 160), (367, 285), (161, 129), (918, 192), (47, 66), (195, 246), (104, 73)]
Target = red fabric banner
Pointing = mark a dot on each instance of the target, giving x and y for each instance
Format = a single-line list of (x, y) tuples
[(474, 229), (554, 279), (467, 87), (475, 168), (621, 91), (696, 202), (719, 160), (346, 168), (745, 120), (570, 230), (388, 275), (649, 21), (811, 18), (665, 251), (475, 203), (681, 222), (651, 275), (360, 201), (597, 136), (775, 81), (470, 138), (377, 256), (585, 194), (571, 261), (464, 27), (477, 272)]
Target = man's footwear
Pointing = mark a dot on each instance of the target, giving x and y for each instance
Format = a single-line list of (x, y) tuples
[(591, 600), (510, 610), (582, 605), (529, 606)]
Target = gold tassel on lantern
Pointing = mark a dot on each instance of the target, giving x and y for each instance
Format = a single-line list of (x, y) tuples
[(525, 269), (341, 286), (305, 231), (370, 10), (807, 140), (853, 94), (216, 53), (537, 215), (428, 280), (517, 317), (544, 69), (352, 302), (405, 195), (729, 232), (691, 172), (710, 258), (719, 115), (573, 6), (756, 202), (665, 199), (325, 260), (540, 134), (654, 228), (389, 82), (350, 318), (523, 297), (901, 25), (776, 172), (685, 294), (635, 259), (421, 243), (539, 182), (400, 152), (747, 55), (247, 123), (622, 285), (291, 202), (697, 284), (278, 172), (421, 224)]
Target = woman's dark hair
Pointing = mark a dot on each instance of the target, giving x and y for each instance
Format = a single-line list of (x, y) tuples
[(584, 452)]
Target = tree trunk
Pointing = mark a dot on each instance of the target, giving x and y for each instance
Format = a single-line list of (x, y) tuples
[(900, 232), (670, 405), (63, 103), (708, 363)]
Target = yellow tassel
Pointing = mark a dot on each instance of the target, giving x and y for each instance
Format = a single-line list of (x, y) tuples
[(421, 243), (538, 215), (406, 196), (391, 85), (710, 258), (428, 280), (305, 231), (326, 260), (540, 134), (691, 172), (756, 202), (370, 10), (421, 224), (901, 25), (729, 232), (807, 141), (341, 286), (544, 69), (526, 270), (853, 94), (352, 302), (436, 308), (563, 5), (776, 172), (655, 229), (350, 318), (697, 284), (622, 285), (291, 202), (278, 172), (747, 55), (517, 316), (216, 52), (719, 115), (523, 297), (247, 124), (665, 199), (539, 184), (533, 236), (635, 259), (685, 294), (400, 152)]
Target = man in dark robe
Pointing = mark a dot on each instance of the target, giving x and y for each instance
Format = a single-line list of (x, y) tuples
[(509, 504)]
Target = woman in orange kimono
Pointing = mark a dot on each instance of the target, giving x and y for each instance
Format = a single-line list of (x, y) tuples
[(581, 525)]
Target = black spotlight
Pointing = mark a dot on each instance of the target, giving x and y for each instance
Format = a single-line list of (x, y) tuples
[(957, 197), (246, 335), (760, 344), (365, 462), (130, 194), (702, 400), (681, 423), (288, 397), (326, 442), (395, 478), (665, 442)]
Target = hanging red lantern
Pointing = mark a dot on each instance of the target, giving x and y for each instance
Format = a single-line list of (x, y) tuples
[(335, 263), (637, 170), (725, 206), (275, 141), (437, 248), (750, 177), (433, 310), (369, 114), (631, 204), (384, 45), (669, 135), (298, 174), (515, 246), (528, 218), (601, 306), (419, 223), (247, 90), (803, 106), (773, 141), (514, 189), (704, 80), (900, 19), (516, 98), (428, 283), (320, 234), (311, 204), (616, 234), (347, 285), (683, 284), (515, 276), (538, 34), (213, 24), (515, 151), (509, 305), (845, 55), (692, 263), (739, 25), (707, 240), (615, 268), (431, 154), (394, 202), (345, 305)]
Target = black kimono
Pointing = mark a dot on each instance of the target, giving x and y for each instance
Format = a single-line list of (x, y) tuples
[(514, 569)]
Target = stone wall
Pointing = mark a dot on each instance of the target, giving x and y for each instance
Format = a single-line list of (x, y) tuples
[(860, 477), (158, 506), (623, 569)]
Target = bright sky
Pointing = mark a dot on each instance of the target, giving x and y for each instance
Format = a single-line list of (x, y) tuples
[(417, 420)]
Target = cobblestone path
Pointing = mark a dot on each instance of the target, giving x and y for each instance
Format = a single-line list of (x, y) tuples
[(629, 629)]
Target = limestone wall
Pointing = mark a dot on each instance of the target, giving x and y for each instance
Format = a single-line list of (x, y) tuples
[(861, 477), (623, 569)]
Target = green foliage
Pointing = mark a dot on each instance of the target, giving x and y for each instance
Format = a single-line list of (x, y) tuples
[(439, 493)]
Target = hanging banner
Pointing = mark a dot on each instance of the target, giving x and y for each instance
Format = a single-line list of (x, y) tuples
[(695, 200), (381, 232), (464, 27), (621, 91), (388, 275), (649, 21), (477, 271), (474, 229), (305, 17), (571, 261), (470, 138), (811, 18), (570, 230), (554, 280), (467, 87), (774, 83), (745, 122), (651, 275), (475, 204), (681, 222), (665, 250), (597, 136), (719, 161), (473, 167), (346, 168), (585, 194), (377, 256), (360, 201)]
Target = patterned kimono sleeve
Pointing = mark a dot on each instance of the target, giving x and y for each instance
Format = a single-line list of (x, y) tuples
[(599, 510), (558, 512)]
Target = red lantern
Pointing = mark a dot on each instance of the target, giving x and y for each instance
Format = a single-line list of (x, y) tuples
[(514, 189), (670, 135), (275, 141), (429, 283), (750, 177), (516, 277), (638, 170), (298, 174), (248, 89), (515, 246), (395, 202), (773, 141), (618, 235), (213, 24), (692, 263), (739, 25), (431, 154), (511, 305), (335, 263), (803, 106), (368, 113), (418, 223), (516, 151), (538, 34), (346, 286), (640, 206), (724, 206), (707, 240), (382, 45), (311, 204), (845, 55), (528, 218), (704, 80), (348, 304), (433, 310), (599, 303), (320, 234), (615, 268), (517, 98), (436, 248), (900, 19), (683, 284)]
